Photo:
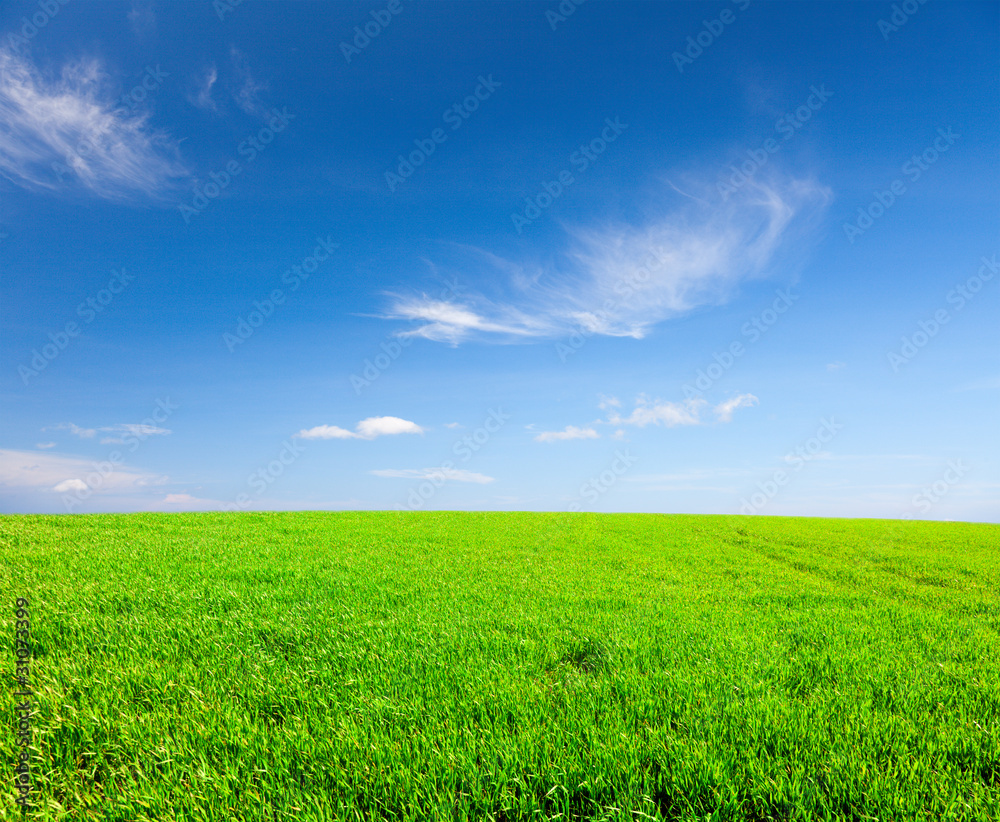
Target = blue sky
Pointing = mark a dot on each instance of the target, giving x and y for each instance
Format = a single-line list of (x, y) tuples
[(655, 257)]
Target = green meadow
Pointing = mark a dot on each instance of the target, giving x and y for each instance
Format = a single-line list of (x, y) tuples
[(504, 666)]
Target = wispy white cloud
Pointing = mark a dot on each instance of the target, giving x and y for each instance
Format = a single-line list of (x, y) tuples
[(570, 432), (136, 430), (44, 445), (367, 429), (118, 432), (452, 474), (985, 384), (450, 322), (84, 433), (142, 18), (651, 412), (620, 280), (201, 95), (246, 88), (70, 128), (693, 476), (187, 502)]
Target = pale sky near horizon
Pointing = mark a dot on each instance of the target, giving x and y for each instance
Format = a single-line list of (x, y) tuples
[(672, 257)]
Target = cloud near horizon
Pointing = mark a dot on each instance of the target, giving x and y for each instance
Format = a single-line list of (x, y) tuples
[(367, 429), (31, 470), (453, 474), (621, 280)]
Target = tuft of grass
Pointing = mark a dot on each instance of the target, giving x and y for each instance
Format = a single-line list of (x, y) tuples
[(586, 655)]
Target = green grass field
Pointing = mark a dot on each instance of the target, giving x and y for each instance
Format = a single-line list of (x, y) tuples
[(425, 666)]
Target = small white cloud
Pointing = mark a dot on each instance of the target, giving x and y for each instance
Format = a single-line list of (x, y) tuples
[(446, 474), (70, 485), (619, 434), (570, 432), (367, 429), (724, 410), (608, 402), (325, 432), (45, 445), (835, 366), (452, 425), (378, 426)]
